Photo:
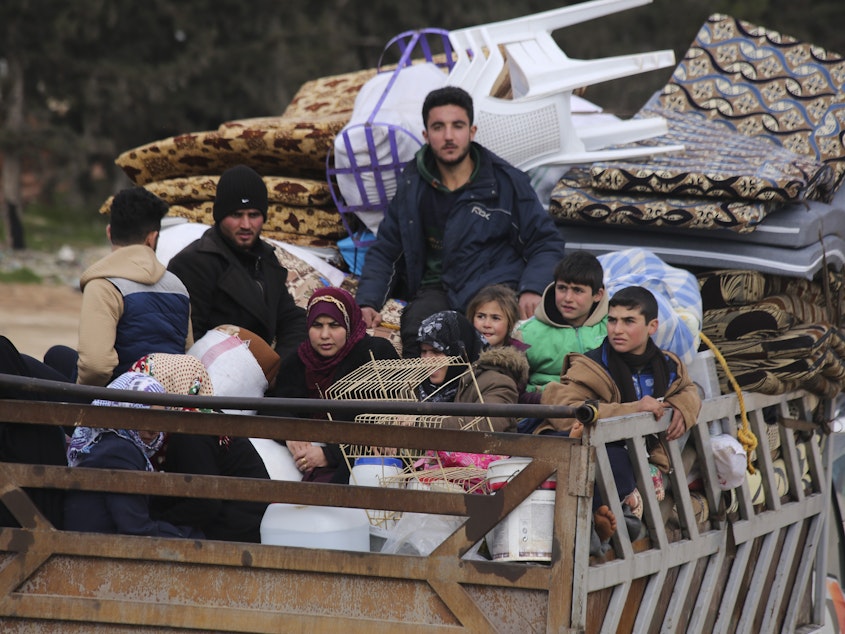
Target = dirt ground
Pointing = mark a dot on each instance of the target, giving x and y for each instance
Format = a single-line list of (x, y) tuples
[(37, 316)]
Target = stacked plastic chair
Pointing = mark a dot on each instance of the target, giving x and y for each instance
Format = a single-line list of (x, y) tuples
[(534, 126)]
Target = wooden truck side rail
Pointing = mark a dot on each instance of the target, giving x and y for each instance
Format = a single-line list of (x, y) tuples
[(722, 572)]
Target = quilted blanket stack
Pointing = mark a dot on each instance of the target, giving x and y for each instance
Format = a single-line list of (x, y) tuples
[(762, 117), (776, 333), (754, 205), (289, 151)]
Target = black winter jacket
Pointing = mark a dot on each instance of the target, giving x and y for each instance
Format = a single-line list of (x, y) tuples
[(224, 290), (497, 232)]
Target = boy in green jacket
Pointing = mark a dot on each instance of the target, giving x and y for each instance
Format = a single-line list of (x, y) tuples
[(571, 318)]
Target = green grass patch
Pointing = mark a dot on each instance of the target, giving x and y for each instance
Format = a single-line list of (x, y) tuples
[(48, 227), (20, 276)]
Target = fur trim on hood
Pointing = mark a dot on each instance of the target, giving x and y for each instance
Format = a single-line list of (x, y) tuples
[(507, 360)]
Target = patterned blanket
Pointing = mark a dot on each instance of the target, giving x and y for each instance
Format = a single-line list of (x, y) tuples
[(676, 290), (717, 162), (742, 87), (776, 342), (766, 84)]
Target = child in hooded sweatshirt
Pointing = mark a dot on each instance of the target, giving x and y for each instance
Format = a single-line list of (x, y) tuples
[(571, 318), (500, 372), (495, 375), (627, 374)]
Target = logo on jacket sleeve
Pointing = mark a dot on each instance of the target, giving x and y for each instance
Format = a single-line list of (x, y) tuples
[(480, 211)]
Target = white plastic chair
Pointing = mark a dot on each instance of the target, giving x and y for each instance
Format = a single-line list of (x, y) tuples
[(535, 127)]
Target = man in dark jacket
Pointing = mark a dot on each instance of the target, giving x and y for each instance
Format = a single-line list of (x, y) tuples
[(462, 218), (232, 276)]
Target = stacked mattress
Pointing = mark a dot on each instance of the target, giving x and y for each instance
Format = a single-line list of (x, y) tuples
[(753, 205), (289, 151), (762, 117)]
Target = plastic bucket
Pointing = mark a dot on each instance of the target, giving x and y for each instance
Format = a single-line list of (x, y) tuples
[(334, 528), (376, 471), (526, 533), (372, 471), (500, 472)]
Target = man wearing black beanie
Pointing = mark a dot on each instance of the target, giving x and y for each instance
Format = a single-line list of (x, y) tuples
[(234, 277)]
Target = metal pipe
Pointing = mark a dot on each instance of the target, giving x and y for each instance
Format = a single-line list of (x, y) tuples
[(274, 406)]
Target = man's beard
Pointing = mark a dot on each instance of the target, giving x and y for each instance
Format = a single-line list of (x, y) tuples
[(452, 162), (238, 246)]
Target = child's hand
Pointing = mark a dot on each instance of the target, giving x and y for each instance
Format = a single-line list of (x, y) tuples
[(653, 405), (677, 427)]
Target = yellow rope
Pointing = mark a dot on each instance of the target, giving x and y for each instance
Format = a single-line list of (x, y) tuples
[(744, 433)]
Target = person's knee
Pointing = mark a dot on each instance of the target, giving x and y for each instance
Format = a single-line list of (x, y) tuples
[(63, 360)]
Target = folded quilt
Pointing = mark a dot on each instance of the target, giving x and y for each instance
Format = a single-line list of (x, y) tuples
[(796, 343), (717, 162), (575, 201), (731, 287), (292, 147), (305, 221), (329, 96), (768, 84), (753, 320), (285, 190)]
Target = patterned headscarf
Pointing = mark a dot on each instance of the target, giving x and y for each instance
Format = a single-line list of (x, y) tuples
[(451, 333), (85, 438), (178, 373), (341, 307)]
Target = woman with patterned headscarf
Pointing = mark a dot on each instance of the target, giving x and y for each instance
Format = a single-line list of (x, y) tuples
[(496, 376), (232, 520), (337, 344), (117, 448)]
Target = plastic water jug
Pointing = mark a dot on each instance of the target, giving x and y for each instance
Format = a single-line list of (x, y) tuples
[(335, 528)]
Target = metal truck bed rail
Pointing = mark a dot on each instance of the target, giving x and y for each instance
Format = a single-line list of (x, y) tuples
[(746, 571)]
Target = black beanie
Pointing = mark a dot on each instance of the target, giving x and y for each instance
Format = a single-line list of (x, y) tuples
[(240, 187)]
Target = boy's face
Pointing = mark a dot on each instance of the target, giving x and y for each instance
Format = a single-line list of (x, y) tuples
[(574, 301), (427, 351), (627, 330)]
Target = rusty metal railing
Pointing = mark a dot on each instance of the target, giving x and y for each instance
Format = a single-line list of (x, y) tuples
[(56, 580)]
